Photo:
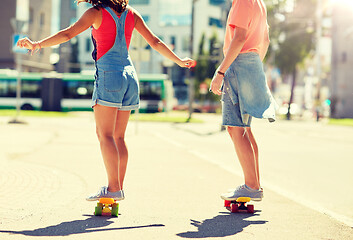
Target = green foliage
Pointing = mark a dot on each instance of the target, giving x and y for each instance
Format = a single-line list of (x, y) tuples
[(207, 63), (295, 29), (294, 49)]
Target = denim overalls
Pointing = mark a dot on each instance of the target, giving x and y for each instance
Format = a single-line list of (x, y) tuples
[(116, 82)]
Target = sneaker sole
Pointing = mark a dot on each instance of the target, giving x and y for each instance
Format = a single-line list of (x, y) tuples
[(234, 199)]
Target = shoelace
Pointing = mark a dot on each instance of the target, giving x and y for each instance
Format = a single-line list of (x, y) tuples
[(104, 191), (240, 187)]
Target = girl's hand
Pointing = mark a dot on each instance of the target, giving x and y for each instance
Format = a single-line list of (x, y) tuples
[(27, 43), (216, 83), (187, 63)]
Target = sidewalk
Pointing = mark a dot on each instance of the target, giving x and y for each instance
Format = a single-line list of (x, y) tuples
[(49, 166)]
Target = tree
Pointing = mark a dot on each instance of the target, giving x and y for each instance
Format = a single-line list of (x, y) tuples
[(207, 64), (293, 37)]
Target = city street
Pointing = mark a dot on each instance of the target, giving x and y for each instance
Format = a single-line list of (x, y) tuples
[(175, 175)]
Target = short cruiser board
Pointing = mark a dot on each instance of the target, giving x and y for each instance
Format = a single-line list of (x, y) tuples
[(239, 205), (107, 207)]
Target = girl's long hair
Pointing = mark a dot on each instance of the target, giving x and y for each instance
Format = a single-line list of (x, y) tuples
[(118, 5)]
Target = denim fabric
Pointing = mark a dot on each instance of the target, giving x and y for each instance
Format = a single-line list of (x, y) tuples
[(245, 84), (231, 115), (116, 82)]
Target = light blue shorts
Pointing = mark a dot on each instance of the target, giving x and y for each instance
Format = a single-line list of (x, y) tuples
[(231, 115), (245, 93), (116, 88)]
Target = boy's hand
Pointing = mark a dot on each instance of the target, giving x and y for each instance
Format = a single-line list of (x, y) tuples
[(216, 84)]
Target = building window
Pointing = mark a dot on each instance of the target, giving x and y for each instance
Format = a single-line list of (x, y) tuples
[(175, 13), (88, 44), (72, 20), (135, 2), (42, 19), (217, 2), (215, 22), (186, 43), (173, 42), (31, 15), (344, 57), (73, 5), (146, 18)]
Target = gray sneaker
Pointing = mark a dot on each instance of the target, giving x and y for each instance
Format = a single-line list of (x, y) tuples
[(243, 191), (104, 193), (234, 189)]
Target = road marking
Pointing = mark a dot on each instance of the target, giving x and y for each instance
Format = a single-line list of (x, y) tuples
[(294, 197)]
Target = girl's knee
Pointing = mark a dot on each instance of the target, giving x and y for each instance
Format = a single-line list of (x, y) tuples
[(103, 135)]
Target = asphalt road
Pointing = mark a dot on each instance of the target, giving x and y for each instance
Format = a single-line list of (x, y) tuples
[(175, 175), (308, 162)]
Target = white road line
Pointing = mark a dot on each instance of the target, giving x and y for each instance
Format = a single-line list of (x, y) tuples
[(294, 197)]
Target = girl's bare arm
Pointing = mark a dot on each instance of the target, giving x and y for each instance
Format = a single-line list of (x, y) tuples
[(158, 44), (89, 18)]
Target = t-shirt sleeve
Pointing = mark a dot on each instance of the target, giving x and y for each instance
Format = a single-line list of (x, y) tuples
[(241, 14)]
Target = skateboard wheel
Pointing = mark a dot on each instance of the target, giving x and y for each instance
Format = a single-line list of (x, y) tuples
[(114, 212), (98, 211), (227, 203), (250, 209), (233, 208)]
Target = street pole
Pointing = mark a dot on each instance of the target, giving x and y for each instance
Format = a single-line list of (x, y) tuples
[(18, 87), (18, 26), (190, 78), (318, 56)]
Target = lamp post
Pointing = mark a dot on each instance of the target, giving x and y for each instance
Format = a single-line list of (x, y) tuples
[(17, 26), (318, 56), (190, 78)]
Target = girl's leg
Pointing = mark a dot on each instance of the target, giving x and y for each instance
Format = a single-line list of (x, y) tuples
[(122, 119), (246, 155), (105, 123)]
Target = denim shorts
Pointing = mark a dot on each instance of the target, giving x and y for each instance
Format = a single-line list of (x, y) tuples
[(245, 93), (116, 88), (231, 115)]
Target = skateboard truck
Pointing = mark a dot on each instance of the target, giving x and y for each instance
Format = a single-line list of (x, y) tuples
[(107, 207), (239, 205)]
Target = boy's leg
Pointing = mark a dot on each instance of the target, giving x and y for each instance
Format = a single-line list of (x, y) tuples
[(246, 155), (256, 152), (122, 119)]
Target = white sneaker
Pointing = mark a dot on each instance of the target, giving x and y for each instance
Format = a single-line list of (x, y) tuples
[(104, 193), (243, 191)]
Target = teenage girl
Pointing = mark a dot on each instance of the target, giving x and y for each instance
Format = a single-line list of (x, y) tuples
[(116, 89)]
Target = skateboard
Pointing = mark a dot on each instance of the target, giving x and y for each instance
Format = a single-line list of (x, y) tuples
[(239, 205), (107, 207)]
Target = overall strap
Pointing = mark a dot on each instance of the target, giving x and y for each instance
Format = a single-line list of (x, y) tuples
[(120, 42)]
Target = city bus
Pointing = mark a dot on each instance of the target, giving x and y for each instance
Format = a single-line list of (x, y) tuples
[(156, 91)]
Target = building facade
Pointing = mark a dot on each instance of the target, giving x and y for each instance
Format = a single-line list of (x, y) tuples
[(341, 85), (171, 22), (7, 59), (68, 52), (38, 26)]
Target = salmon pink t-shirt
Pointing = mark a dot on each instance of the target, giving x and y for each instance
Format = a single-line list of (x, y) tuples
[(252, 16)]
